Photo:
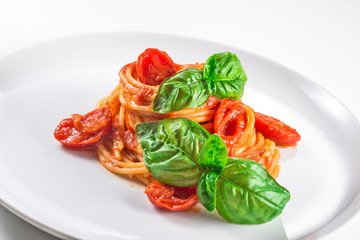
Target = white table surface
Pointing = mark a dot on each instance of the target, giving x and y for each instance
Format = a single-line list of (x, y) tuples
[(319, 39)]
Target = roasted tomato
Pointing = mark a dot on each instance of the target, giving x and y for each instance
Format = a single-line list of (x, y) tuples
[(276, 130), (154, 66), (84, 131), (230, 122), (170, 197)]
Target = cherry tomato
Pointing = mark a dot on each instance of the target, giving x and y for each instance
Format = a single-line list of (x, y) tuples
[(170, 197), (230, 122), (84, 131), (276, 130), (92, 121), (154, 66)]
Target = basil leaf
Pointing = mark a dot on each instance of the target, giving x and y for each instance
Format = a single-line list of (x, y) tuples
[(213, 154), (225, 76), (171, 150), (206, 190), (186, 89), (247, 194)]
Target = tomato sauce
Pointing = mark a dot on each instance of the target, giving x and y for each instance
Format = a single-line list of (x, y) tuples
[(143, 95), (130, 139)]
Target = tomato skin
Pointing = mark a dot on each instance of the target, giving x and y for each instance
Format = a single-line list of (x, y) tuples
[(171, 197), (230, 122), (154, 66), (276, 130), (85, 131)]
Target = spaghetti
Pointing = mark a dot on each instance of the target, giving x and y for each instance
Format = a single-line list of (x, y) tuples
[(130, 103)]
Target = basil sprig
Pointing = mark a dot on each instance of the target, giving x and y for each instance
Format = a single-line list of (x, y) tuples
[(181, 153), (222, 77)]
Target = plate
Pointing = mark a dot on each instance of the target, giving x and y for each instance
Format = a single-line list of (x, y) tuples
[(69, 194)]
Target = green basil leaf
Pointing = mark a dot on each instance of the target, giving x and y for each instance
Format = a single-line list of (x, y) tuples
[(171, 150), (225, 76), (206, 190), (213, 154), (186, 89), (247, 194)]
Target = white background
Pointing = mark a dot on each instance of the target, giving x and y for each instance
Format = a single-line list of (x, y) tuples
[(319, 39)]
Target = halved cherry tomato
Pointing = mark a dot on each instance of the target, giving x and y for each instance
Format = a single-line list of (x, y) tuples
[(92, 121), (154, 66), (276, 130), (230, 122), (170, 197), (84, 131)]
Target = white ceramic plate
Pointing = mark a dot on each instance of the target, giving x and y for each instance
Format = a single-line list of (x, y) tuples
[(69, 194)]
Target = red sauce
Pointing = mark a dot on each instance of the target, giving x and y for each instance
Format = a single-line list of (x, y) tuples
[(130, 140), (143, 95)]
